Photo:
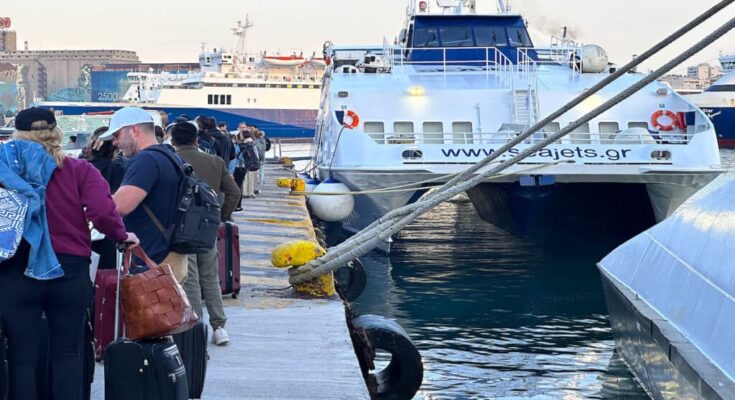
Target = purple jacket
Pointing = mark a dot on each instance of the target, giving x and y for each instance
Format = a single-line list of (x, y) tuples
[(74, 186)]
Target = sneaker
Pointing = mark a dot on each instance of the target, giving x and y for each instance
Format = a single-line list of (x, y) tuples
[(238, 209), (257, 192), (220, 337)]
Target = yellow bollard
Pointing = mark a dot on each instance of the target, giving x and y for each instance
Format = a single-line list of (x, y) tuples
[(298, 185), (298, 253), (284, 182), (287, 162)]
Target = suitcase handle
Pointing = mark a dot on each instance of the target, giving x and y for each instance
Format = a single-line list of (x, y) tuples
[(119, 255)]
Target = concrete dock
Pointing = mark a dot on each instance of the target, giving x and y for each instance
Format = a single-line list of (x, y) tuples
[(280, 347)]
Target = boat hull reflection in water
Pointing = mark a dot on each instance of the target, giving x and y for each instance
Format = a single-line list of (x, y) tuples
[(495, 316)]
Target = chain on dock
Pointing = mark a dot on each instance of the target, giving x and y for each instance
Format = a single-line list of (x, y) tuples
[(382, 229)]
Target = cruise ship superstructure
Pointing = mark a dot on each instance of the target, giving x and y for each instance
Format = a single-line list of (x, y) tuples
[(457, 85), (278, 92)]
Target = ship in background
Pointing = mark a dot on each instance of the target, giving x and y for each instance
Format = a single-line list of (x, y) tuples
[(718, 101), (728, 62), (277, 92)]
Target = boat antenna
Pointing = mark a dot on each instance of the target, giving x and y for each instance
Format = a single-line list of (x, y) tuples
[(240, 32)]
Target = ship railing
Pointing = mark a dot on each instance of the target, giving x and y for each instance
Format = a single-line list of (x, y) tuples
[(564, 55), (449, 59), (296, 149), (499, 138)]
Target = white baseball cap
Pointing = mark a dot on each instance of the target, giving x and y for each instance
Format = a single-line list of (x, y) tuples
[(124, 117)]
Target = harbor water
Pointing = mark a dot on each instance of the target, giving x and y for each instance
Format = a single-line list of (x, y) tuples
[(498, 317)]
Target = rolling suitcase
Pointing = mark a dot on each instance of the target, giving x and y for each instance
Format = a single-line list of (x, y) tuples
[(192, 345), (144, 369), (105, 288), (228, 247), (4, 378)]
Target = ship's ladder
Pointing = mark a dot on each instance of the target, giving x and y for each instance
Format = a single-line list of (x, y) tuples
[(525, 106)]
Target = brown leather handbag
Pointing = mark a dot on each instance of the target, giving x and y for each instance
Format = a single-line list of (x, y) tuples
[(153, 303)]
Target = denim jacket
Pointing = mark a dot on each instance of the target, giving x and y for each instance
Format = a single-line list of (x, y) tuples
[(26, 168)]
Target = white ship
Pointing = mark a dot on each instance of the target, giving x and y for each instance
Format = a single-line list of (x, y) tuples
[(459, 85), (277, 92), (728, 62)]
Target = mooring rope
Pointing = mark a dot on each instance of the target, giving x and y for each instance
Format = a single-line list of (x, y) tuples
[(394, 221)]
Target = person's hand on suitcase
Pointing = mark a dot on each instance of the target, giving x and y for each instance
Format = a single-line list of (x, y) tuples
[(132, 241)]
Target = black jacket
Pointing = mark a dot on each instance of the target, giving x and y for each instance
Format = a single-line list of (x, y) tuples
[(223, 146)]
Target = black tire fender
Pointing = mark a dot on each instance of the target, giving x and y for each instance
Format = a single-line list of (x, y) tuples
[(351, 280), (403, 376)]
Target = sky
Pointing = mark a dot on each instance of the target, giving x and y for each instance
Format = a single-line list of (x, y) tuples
[(174, 30)]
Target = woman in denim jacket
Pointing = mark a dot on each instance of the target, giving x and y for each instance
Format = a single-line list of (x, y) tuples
[(49, 272)]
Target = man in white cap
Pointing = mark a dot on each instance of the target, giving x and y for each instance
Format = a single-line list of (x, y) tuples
[(148, 194)]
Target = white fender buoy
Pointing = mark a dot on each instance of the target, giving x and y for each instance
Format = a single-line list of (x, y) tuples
[(594, 59), (331, 208), (311, 184)]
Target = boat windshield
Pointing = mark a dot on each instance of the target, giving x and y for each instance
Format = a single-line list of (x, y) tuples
[(426, 37), (519, 37), (490, 36), (456, 36)]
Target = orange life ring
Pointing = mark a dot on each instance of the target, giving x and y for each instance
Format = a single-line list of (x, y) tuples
[(674, 117), (355, 120)]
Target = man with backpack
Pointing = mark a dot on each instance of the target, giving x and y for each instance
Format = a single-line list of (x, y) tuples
[(203, 275), (220, 143), (151, 181), (250, 162)]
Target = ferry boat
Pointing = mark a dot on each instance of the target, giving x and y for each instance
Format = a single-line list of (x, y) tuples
[(279, 94), (728, 62), (457, 85), (671, 299), (718, 101)]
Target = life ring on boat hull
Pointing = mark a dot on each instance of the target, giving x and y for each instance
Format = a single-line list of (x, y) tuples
[(676, 120), (351, 280), (402, 378), (354, 120)]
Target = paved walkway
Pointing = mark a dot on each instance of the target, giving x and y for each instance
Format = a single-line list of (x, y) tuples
[(281, 347)]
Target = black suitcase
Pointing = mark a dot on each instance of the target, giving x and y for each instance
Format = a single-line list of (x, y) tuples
[(4, 378), (144, 369), (192, 345)]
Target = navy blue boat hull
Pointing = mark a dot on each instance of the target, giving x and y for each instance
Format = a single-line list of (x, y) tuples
[(723, 119), (280, 123)]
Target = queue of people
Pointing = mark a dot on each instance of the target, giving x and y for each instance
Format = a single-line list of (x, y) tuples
[(126, 188)]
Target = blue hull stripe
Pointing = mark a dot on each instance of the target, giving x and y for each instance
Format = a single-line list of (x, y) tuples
[(275, 123), (724, 120)]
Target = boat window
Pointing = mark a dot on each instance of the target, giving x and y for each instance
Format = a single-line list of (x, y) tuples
[(376, 131), (433, 133), (426, 37), (216, 99), (607, 131), (581, 135), (462, 132), (229, 99), (222, 99), (456, 36), (209, 99), (643, 125), (403, 127), (609, 127), (519, 37), (489, 36), (552, 127)]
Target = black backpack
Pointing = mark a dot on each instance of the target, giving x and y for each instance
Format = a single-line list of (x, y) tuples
[(250, 156), (198, 213), (267, 144)]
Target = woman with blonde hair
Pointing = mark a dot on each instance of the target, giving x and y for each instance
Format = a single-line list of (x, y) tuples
[(48, 271)]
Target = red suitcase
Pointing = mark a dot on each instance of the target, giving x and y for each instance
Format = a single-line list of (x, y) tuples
[(105, 287), (228, 247)]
